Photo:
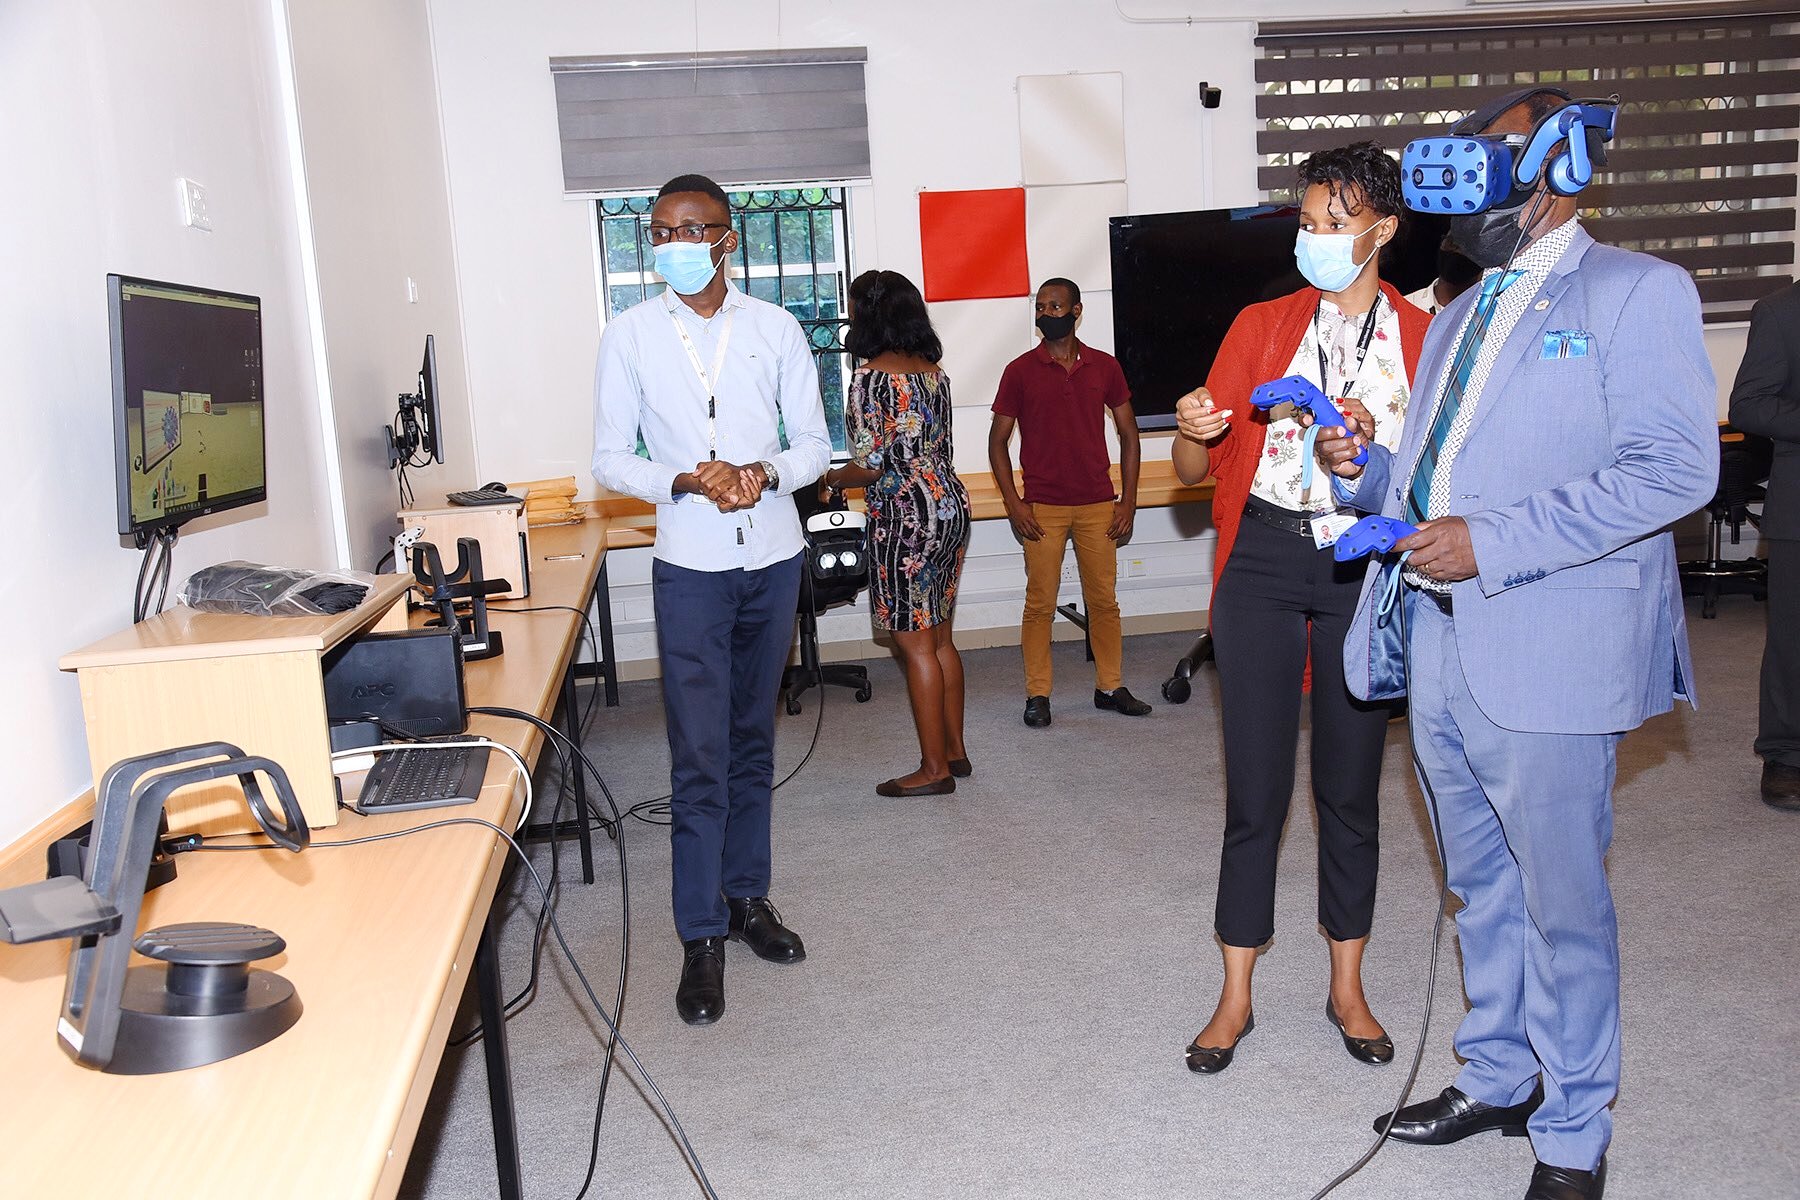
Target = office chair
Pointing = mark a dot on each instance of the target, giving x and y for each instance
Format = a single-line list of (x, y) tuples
[(1744, 461), (835, 570)]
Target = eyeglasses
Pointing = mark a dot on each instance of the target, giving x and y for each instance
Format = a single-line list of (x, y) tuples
[(661, 235)]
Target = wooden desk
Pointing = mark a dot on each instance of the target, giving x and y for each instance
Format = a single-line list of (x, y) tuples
[(381, 939)]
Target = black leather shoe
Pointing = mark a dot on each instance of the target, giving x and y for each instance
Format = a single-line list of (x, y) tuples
[(701, 997), (1121, 701), (1037, 711), (1210, 1060), (1376, 1051), (1781, 786), (755, 923), (1453, 1115), (893, 789), (961, 768), (1562, 1183)]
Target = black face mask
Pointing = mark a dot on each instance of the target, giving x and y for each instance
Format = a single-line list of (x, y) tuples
[(1055, 329), (1487, 238)]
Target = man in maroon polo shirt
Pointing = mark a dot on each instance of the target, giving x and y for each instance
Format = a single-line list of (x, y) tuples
[(1055, 395)]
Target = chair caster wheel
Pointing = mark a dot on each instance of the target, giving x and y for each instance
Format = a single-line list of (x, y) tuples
[(792, 705), (1177, 690), (863, 694)]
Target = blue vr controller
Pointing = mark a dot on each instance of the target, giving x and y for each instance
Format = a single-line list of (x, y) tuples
[(1371, 535), (1471, 174), (1305, 395)]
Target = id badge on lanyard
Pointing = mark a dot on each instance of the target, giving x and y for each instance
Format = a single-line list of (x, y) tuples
[(709, 382), (1328, 527)]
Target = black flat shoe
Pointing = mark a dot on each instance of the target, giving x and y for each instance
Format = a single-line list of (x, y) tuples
[(701, 997), (1210, 1060), (1376, 1051), (1120, 700), (961, 768), (893, 789), (1562, 1183), (1453, 1115), (755, 923), (1781, 786), (1037, 711)]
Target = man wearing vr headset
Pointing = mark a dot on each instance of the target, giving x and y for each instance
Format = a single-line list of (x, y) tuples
[(1565, 417)]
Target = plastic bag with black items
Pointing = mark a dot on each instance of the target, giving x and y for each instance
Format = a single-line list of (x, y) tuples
[(255, 590)]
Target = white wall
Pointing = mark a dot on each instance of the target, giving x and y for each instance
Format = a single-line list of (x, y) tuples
[(106, 103), (380, 208)]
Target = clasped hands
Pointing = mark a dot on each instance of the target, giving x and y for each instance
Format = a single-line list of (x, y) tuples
[(727, 485), (1441, 549)]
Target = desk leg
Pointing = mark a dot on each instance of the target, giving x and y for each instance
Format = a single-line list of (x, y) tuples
[(609, 665), (499, 1065), (572, 727)]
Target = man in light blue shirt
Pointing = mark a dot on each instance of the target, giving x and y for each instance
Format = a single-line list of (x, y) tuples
[(713, 377)]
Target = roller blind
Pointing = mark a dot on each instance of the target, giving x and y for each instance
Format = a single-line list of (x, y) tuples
[(745, 119), (1702, 172)]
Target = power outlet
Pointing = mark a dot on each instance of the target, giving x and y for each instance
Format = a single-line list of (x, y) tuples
[(193, 205), (1134, 568)]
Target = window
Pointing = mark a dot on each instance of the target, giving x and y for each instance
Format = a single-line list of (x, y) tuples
[(1701, 173), (792, 246)]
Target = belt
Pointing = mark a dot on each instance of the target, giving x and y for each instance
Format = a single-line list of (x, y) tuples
[(1443, 600), (1281, 518)]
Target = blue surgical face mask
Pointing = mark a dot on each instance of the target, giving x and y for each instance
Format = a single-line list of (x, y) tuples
[(687, 266), (1328, 259)]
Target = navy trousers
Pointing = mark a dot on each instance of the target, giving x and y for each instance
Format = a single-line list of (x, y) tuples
[(1526, 819), (723, 638)]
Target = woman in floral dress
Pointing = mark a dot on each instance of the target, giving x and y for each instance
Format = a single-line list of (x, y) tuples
[(898, 417)]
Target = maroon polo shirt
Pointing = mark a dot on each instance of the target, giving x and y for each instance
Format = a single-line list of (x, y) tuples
[(1061, 416)]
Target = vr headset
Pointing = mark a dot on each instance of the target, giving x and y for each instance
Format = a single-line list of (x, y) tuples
[(1471, 172)]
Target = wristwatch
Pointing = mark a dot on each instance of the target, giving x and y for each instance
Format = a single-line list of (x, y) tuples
[(771, 477)]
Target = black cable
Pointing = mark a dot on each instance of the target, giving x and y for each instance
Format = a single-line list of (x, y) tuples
[(167, 537), (689, 1154), (1437, 929), (659, 807), (587, 718), (539, 926), (618, 830)]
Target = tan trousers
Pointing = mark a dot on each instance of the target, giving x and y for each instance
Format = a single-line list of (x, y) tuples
[(1097, 558)]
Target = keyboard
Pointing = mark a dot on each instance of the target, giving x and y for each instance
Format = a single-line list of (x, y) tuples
[(406, 779), (472, 499)]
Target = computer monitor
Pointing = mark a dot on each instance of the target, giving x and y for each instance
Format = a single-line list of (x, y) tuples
[(188, 430), (1181, 279), (418, 427)]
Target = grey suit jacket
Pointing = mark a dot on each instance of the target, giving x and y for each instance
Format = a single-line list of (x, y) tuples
[(1766, 400), (1573, 470)]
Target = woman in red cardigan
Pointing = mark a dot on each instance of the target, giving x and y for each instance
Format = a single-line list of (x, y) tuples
[(1278, 594)]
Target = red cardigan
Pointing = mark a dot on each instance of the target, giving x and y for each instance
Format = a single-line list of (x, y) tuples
[(1260, 346)]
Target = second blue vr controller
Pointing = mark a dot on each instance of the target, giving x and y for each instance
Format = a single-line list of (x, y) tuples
[(1371, 535), (1305, 395)]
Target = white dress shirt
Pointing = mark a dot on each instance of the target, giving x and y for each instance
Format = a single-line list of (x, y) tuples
[(647, 382)]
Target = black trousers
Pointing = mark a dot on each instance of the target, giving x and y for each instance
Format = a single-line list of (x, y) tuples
[(1778, 724), (1275, 585)]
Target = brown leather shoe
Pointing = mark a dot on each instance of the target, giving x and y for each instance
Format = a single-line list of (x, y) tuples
[(1781, 786)]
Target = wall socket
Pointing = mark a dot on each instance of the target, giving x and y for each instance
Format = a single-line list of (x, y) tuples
[(193, 205), (1134, 568)]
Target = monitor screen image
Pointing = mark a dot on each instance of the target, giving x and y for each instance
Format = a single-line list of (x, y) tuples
[(188, 432), (1181, 279)]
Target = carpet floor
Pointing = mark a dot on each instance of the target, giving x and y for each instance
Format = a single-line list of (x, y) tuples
[(999, 983)]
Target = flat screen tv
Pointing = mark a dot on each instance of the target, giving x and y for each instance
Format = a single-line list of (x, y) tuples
[(188, 435), (1180, 279)]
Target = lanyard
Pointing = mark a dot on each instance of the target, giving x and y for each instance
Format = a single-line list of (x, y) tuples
[(1362, 347), (709, 380)]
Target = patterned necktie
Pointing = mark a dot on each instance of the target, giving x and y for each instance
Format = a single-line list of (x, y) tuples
[(1418, 500)]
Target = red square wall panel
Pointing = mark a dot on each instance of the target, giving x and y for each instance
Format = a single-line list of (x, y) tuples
[(974, 244)]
